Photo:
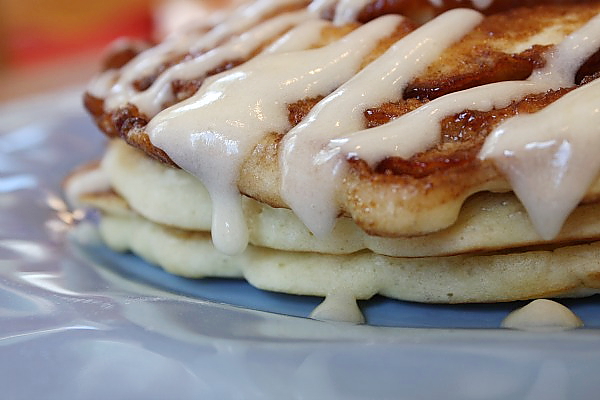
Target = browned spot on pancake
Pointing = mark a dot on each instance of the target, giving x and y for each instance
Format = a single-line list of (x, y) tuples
[(298, 110)]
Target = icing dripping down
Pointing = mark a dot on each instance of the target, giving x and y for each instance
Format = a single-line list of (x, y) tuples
[(339, 306), (237, 112), (542, 315), (551, 167), (342, 112), (397, 138)]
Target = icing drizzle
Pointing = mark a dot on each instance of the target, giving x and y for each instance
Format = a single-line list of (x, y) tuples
[(342, 112), (237, 110), (240, 116), (551, 167), (562, 152)]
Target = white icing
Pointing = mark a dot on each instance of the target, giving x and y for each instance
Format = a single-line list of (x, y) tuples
[(151, 100), (482, 4), (180, 15), (563, 63), (117, 89), (347, 10), (317, 7), (299, 38), (542, 316), (478, 4), (211, 133), (551, 167), (339, 306), (236, 112), (398, 137), (239, 21), (342, 113)]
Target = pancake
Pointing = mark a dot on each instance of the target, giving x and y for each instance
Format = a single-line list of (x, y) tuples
[(340, 147), (480, 228)]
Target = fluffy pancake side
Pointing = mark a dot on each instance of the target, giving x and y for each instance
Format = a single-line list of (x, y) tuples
[(488, 222), (526, 274)]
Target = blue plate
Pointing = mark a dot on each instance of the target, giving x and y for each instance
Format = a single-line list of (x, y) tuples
[(82, 322)]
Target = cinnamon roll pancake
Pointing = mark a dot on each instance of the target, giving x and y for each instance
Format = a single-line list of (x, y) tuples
[(425, 151)]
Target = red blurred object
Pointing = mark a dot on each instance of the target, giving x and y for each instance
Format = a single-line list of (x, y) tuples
[(37, 32)]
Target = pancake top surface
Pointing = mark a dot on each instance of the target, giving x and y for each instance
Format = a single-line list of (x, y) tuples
[(392, 194)]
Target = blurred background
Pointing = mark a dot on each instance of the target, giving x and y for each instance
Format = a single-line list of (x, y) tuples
[(50, 44)]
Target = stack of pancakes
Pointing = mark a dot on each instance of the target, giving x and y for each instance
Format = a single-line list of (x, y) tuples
[(353, 148)]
